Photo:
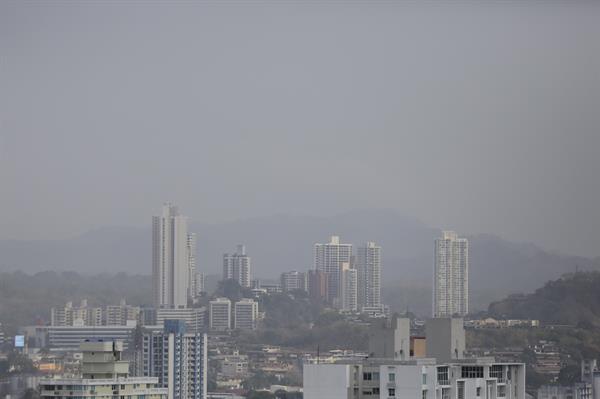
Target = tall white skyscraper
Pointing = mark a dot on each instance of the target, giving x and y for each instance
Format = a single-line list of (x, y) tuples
[(171, 255), (237, 266), (329, 258), (451, 276), (368, 265)]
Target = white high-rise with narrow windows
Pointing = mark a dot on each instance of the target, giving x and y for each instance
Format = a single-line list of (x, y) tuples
[(191, 247), (348, 288), (368, 265), (329, 258), (237, 266), (451, 276), (171, 258)]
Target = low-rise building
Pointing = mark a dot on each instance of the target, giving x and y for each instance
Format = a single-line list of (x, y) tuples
[(195, 318), (245, 314), (220, 314), (418, 378), (104, 375), (293, 281), (580, 390)]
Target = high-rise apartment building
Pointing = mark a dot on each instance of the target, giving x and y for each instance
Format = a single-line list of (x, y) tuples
[(317, 285), (191, 248), (329, 258), (199, 284), (245, 314), (179, 360), (348, 288), (219, 311), (368, 265), (292, 281), (171, 253), (237, 266), (451, 276)]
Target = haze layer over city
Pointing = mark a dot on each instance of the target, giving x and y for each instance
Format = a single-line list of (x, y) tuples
[(302, 180)]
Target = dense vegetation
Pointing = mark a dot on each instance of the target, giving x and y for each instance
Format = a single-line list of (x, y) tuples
[(573, 299), (294, 321), (27, 299), (569, 309)]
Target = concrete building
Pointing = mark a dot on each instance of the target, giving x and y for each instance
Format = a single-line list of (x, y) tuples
[(294, 280), (71, 337), (200, 284), (381, 311), (418, 378), (445, 339), (390, 338), (234, 365), (329, 258), (317, 285), (579, 390), (195, 318), (104, 375), (121, 314), (245, 314), (178, 359), (368, 264), (70, 315), (171, 258), (451, 276), (191, 249), (348, 296), (220, 314), (236, 266), (418, 347)]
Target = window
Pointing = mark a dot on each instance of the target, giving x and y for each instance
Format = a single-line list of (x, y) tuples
[(472, 372), (424, 394), (501, 391), (497, 372), (367, 376), (391, 392), (442, 375), (424, 379), (445, 393), (478, 391), (392, 377), (375, 391), (460, 390)]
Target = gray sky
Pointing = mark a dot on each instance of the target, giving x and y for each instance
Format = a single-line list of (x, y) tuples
[(481, 118)]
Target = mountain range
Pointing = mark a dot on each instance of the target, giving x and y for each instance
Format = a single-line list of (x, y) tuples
[(285, 242)]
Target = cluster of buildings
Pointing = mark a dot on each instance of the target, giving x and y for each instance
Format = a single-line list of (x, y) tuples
[(84, 315), (132, 352), (588, 386), (343, 280), (392, 370), (225, 315)]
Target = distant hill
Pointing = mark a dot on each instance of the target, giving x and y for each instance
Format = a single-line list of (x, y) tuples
[(572, 299), (285, 242)]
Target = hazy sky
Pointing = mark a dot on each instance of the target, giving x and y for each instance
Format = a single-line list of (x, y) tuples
[(480, 118)]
